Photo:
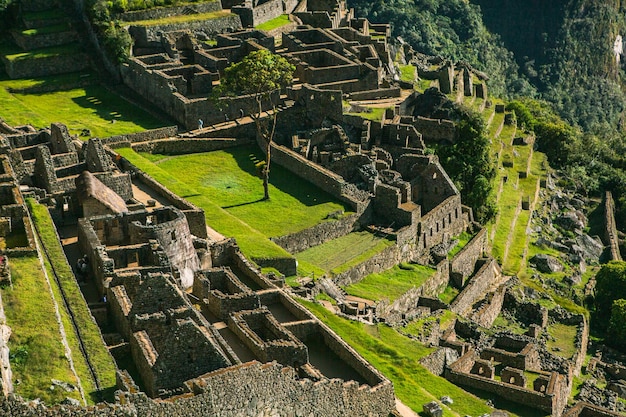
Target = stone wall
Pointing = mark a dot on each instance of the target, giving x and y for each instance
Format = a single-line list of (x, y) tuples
[(315, 174), (436, 130), (261, 13), (179, 146), (477, 287), (552, 401), (610, 229), (318, 234), (30, 42), (56, 64), (162, 12), (120, 141), (227, 23), (463, 263), (379, 93), (195, 216), (380, 262), (408, 301)]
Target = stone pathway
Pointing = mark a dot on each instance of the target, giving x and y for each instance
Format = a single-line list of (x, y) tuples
[(404, 410)]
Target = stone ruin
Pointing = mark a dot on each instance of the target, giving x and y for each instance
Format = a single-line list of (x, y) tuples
[(174, 296)]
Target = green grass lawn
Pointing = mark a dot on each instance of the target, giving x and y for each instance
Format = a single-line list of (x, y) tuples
[(448, 294), (36, 350), (98, 353), (374, 114), (392, 283), (338, 255), (397, 357), (70, 48), (275, 23), (230, 178), (252, 242), (172, 20), (92, 107), (564, 343), (407, 73), (464, 239)]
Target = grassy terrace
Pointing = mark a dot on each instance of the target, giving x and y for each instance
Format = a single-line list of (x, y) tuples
[(61, 27), (563, 340), (407, 73), (226, 185), (277, 22), (68, 49), (100, 358), (339, 255), (374, 114), (172, 20), (92, 107), (397, 357), (37, 352), (392, 283)]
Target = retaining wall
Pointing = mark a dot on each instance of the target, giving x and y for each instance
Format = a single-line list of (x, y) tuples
[(120, 141), (318, 234)]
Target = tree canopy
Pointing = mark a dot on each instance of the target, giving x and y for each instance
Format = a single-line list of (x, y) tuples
[(259, 74), (610, 286)]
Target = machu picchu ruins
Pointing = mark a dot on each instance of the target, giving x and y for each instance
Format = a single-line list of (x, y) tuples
[(141, 264)]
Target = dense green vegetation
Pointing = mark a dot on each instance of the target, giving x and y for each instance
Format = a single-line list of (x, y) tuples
[(469, 164), (452, 29)]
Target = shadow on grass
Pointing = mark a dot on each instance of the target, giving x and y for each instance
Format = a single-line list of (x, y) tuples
[(106, 394), (281, 178), (111, 106), (244, 204)]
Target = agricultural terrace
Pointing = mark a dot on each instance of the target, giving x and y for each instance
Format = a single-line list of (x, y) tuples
[(227, 186), (65, 287), (339, 255), (36, 343), (392, 283), (77, 100)]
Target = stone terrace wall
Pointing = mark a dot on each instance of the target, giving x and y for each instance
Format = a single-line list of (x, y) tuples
[(610, 232), (124, 141), (462, 265), (318, 234), (180, 146), (162, 12), (436, 129), (59, 64), (380, 262), (227, 23)]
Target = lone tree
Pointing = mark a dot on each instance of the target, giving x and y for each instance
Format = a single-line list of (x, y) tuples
[(260, 74)]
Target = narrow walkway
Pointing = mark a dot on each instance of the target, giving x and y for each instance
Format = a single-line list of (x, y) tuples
[(404, 410)]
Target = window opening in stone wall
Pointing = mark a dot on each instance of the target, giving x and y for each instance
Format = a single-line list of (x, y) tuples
[(173, 235), (133, 259)]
